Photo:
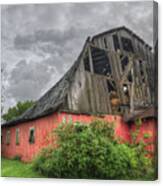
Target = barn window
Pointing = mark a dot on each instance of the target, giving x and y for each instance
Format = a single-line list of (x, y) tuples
[(17, 136), (105, 43), (111, 86), (116, 42), (8, 137), (101, 63), (86, 63), (31, 135), (124, 62), (127, 44)]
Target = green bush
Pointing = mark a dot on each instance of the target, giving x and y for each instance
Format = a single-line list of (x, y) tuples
[(91, 151)]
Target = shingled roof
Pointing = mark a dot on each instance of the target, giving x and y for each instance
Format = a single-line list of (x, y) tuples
[(53, 99)]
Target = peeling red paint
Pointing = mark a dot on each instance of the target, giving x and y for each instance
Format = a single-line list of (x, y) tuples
[(45, 125)]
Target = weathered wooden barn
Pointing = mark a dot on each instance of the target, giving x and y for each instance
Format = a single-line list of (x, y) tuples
[(112, 78)]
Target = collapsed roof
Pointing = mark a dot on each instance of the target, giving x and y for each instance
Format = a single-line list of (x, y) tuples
[(52, 100)]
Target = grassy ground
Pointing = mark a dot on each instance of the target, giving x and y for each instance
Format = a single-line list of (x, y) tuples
[(15, 168)]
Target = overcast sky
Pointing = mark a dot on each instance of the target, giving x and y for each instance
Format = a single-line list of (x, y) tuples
[(40, 42)]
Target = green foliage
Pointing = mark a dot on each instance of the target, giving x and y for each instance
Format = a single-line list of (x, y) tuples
[(17, 110), (15, 168), (138, 122), (135, 133), (17, 157), (91, 151), (147, 135)]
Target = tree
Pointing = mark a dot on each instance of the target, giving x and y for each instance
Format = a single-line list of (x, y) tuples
[(17, 110)]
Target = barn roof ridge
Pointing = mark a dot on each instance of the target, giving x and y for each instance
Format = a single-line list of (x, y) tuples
[(121, 28)]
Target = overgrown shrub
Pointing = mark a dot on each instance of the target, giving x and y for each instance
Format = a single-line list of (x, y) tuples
[(91, 151)]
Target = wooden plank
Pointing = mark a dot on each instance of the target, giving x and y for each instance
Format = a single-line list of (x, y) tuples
[(90, 59), (132, 94), (97, 93), (87, 91), (90, 92), (94, 92), (127, 70), (111, 59), (107, 97), (102, 96), (119, 34), (83, 104)]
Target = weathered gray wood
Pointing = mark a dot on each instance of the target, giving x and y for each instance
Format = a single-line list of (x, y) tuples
[(132, 95), (90, 59), (94, 96)]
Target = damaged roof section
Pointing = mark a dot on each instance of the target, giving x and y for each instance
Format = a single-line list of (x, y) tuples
[(53, 99), (50, 102)]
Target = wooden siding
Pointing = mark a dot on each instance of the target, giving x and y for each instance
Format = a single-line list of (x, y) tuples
[(89, 91)]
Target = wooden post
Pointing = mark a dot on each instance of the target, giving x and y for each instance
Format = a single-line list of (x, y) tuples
[(90, 59), (132, 93), (119, 39)]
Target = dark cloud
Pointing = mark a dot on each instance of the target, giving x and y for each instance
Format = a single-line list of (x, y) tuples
[(50, 38), (40, 42), (30, 79), (23, 42)]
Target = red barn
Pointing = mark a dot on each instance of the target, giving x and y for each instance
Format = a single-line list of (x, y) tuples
[(113, 78)]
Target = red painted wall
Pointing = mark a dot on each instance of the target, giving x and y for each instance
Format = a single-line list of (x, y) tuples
[(45, 125)]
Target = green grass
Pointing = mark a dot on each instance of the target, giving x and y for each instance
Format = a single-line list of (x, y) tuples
[(15, 168)]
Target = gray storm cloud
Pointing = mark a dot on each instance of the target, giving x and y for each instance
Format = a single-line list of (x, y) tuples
[(40, 42)]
